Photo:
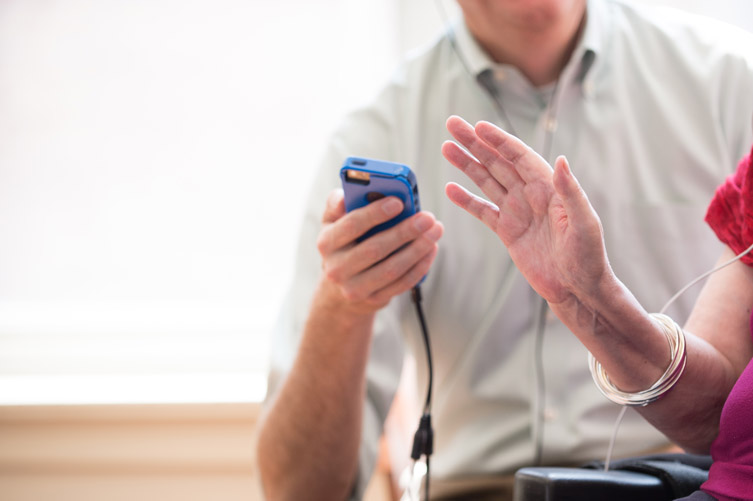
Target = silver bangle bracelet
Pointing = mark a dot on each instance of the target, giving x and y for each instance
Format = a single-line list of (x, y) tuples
[(676, 338)]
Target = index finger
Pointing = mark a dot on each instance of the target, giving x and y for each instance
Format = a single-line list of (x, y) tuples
[(489, 160), (527, 163), (355, 223), (335, 207)]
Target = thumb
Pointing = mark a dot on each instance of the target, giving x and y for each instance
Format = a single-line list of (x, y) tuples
[(573, 197)]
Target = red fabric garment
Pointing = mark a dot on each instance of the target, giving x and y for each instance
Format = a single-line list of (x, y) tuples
[(730, 213)]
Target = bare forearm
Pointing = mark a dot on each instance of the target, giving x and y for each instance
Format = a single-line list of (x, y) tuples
[(309, 439), (634, 351), (689, 413)]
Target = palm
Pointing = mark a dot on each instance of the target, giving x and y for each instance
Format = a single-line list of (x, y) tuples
[(556, 248)]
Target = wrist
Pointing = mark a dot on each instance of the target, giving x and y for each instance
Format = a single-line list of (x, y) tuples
[(678, 358), (330, 302), (600, 293), (586, 299), (335, 334)]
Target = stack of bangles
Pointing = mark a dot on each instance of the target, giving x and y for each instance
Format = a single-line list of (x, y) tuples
[(676, 338)]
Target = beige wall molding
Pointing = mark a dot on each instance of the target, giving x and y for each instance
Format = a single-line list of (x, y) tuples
[(123, 452)]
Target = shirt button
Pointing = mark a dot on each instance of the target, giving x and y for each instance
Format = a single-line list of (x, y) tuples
[(551, 124), (500, 75)]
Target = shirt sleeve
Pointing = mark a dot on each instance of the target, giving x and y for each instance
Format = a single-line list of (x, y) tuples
[(730, 214)]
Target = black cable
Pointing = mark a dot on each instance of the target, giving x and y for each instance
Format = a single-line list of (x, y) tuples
[(416, 297), (423, 440)]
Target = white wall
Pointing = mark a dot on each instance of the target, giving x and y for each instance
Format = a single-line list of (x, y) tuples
[(153, 158), (154, 155)]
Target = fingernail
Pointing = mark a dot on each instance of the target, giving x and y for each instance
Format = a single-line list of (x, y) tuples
[(392, 206)]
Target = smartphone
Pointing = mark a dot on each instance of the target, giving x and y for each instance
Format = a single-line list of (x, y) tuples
[(365, 180)]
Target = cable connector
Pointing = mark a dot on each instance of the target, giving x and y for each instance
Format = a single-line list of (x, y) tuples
[(423, 440)]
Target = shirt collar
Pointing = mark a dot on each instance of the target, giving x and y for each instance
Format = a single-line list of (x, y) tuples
[(592, 42)]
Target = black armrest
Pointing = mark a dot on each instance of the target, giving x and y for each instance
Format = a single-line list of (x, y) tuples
[(571, 484), (656, 477)]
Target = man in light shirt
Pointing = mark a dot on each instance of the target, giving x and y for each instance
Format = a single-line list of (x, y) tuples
[(652, 108)]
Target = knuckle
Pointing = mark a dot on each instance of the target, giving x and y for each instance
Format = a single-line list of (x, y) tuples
[(350, 226), (377, 217), (322, 243), (392, 272), (422, 243), (409, 234), (380, 300), (347, 293), (371, 253), (332, 273), (352, 294)]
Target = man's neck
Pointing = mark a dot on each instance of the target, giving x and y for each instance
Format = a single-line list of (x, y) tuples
[(539, 51)]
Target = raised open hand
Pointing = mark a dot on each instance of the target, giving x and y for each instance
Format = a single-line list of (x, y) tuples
[(541, 215)]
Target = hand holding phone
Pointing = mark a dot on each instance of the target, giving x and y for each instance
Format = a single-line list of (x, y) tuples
[(366, 180)]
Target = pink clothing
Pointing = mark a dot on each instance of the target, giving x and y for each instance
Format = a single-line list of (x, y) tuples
[(731, 473), (730, 215)]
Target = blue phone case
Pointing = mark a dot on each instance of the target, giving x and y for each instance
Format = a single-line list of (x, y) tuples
[(365, 180)]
